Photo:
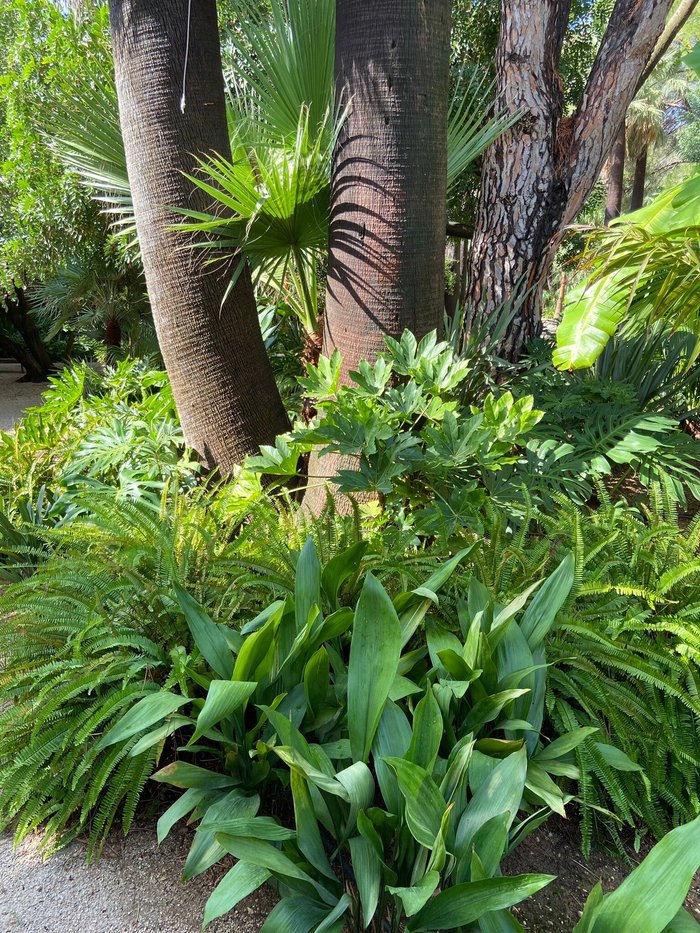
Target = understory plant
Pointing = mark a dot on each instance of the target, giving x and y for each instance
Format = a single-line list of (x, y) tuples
[(625, 650), (403, 748)]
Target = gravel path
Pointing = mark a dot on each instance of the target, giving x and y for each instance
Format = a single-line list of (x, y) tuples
[(134, 888), (16, 396)]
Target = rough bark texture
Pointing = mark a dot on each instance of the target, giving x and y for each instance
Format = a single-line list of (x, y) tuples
[(537, 176), (388, 210), (640, 179), (30, 351), (616, 178), (221, 378)]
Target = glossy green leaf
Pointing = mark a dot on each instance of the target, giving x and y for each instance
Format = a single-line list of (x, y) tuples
[(145, 713), (237, 884), (224, 697), (414, 898), (465, 903), (651, 896), (539, 616), (367, 868), (425, 805), (374, 656), (207, 635)]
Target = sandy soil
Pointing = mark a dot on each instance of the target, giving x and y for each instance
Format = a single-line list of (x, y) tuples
[(16, 396)]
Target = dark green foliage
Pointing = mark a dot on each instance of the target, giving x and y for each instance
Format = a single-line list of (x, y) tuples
[(626, 650)]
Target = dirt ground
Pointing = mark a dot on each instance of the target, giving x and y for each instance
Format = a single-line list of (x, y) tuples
[(16, 396), (135, 888)]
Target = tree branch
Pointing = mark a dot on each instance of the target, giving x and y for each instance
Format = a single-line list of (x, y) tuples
[(671, 30), (627, 47)]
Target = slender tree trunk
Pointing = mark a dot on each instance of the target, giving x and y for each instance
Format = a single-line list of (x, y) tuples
[(640, 178), (172, 109), (537, 176), (616, 178), (388, 202)]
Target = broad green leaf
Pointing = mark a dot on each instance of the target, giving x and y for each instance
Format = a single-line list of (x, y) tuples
[(156, 736), (204, 852), (542, 786), (427, 732), (176, 811), (392, 740), (182, 774), (224, 697), (465, 903), (367, 868), (539, 616), (565, 743), (416, 897), (207, 635), (145, 713), (374, 656), (500, 792), (308, 834), (488, 709), (238, 883), (651, 896), (340, 568), (317, 680), (616, 758), (425, 805), (307, 586), (255, 649), (294, 914)]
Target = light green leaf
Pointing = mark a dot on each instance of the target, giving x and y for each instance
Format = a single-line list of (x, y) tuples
[(465, 903), (224, 697), (206, 634), (374, 657), (238, 883), (145, 713)]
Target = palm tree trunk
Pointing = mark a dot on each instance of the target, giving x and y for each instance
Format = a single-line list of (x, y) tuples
[(616, 178), (172, 109), (388, 202), (640, 178)]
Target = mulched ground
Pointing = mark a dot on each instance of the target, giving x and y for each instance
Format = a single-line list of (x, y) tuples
[(555, 849)]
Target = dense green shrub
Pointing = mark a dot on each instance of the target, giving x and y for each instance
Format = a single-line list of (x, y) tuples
[(626, 651)]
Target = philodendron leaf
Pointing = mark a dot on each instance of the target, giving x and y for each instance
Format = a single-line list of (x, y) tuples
[(224, 697), (466, 903), (145, 713), (652, 895), (374, 657)]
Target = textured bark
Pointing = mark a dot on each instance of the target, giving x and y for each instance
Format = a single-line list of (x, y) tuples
[(616, 178), (640, 179), (519, 185), (388, 203), (31, 352), (221, 377), (537, 176)]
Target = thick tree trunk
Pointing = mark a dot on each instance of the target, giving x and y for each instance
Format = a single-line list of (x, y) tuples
[(537, 176), (616, 178), (31, 352), (640, 179), (388, 203), (172, 109)]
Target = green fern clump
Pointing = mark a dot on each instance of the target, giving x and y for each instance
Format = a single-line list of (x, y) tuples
[(93, 629), (626, 651)]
